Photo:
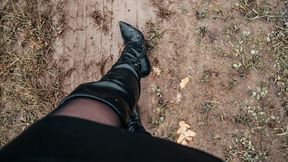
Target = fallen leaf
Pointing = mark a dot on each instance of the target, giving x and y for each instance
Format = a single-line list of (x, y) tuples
[(156, 70), (184, 82), (185, 134)]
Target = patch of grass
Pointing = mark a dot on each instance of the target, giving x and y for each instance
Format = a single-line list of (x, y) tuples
[(163, 10), (245, 45), (207, 106), (255, 9), (232, 82), (219, 14), (29, 79), (260, 92), (153, 34), (159, 109), (219, 51), (206, 76), (200, 15), (158, 116), (279, 47), (278, 40), (242, 119), (248, 144), (248, 62), (216, 137), (172, 134), (244, 149), (231, 30), (257, 116), (202, 31)]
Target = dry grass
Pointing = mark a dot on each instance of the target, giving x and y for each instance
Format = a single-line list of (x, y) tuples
[(29, 85), (258, 121), (245, 45), (257, 9), (279, 41), (158, 116), (245, 150), (163, 10), (153, 34), (201, 15), (206, 76)]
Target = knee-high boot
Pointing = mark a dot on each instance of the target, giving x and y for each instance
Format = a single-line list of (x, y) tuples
[(120, 87)]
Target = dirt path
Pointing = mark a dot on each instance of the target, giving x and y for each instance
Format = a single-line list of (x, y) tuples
[(91, 41), (229, 100)]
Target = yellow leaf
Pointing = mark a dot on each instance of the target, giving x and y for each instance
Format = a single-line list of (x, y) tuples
[(185, 134), (184, 82)]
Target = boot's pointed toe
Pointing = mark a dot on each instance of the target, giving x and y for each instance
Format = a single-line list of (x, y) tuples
[(134, 51), (129, 33)]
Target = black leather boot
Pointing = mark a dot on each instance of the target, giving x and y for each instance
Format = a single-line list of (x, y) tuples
[(120, 87), (134, 124), (134, 52)]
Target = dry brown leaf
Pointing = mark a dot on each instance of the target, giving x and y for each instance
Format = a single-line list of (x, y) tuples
[(184, 82), (185, 134), (157, 70)]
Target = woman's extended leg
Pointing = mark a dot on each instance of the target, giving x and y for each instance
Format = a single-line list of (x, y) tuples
[(112, 99)]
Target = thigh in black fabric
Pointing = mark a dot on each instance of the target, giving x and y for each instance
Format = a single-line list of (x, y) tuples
[(70, 139)]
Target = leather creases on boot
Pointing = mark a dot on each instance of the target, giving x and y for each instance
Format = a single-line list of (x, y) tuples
[(134, 123)]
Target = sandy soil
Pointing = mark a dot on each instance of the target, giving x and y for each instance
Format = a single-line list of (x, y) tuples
[(215, 92)]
